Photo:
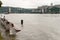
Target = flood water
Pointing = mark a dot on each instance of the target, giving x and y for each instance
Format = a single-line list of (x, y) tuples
[(36, 26)]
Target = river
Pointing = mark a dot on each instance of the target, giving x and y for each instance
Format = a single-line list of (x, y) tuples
[(36, 26)]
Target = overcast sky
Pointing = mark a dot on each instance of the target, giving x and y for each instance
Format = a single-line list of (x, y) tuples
[(29, 3)]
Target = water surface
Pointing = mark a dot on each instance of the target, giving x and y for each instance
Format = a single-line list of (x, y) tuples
[(36, 26)]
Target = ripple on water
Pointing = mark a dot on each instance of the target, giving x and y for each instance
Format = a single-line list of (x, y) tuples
[(33, 36)]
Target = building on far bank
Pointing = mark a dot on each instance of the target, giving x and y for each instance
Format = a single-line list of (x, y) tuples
[(36, 10), (49, 9), (43, 9)]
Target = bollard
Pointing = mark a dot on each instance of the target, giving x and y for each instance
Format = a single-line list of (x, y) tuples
[(22, 23)]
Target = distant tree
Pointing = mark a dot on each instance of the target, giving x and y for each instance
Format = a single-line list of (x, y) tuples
[(0, 3), (54, 10)]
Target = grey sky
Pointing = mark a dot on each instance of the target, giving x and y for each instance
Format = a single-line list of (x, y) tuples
[(29, 3)]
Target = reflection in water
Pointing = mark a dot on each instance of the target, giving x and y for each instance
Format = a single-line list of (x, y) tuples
[(12, 37)]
